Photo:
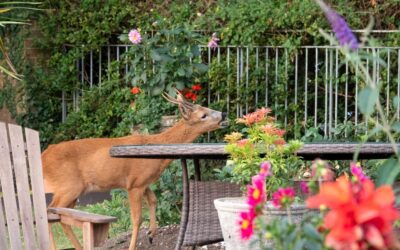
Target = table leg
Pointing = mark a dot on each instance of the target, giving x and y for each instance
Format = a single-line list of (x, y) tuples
[(185, 205), (197, 174)]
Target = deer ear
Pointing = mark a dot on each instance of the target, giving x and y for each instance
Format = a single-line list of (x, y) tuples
[(185, 112)]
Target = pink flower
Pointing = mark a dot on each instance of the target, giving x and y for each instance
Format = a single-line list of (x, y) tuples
[(242, 142), (134, 36), (357, 172), (265, 169), (304, 187), (246, 224), (283, 197), (255, 192), (213, 43)]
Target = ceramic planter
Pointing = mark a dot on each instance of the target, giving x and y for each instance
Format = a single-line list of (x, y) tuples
[(228, 214)]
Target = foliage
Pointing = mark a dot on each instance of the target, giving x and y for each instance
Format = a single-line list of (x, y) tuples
[(264, 142), (287, 235), (166, 61), (118, 207), (70, 29)]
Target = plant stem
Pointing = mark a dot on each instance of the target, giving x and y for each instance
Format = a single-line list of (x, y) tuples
[(289, 213)]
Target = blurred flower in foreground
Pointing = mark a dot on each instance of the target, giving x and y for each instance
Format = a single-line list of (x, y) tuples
[(359, 217), (213, 43), (283, 197), (304, 187), (357, 172), (255, 197), (246, 224), (339, 26), (134, 36)]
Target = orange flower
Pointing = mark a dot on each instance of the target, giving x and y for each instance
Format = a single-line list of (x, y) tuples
[(359, 214), (255, 117), (270, 129), (135, 90)]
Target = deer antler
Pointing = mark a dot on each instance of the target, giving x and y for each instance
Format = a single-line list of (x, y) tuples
[(180, 100)]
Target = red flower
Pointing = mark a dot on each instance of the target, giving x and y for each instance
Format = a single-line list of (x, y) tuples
[(359, 215), (196, 87), (191, 95), (135, 90), (283, 197)]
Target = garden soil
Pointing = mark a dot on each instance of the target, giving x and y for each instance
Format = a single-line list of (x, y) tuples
[(164, 239)]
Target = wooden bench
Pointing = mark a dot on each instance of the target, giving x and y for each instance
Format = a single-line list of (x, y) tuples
[(25, 222)]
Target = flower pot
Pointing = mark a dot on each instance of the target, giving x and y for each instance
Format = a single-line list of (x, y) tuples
[(228, 214)]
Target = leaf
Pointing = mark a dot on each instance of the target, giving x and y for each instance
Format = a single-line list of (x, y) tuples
[(396, 102), (155, 55), (202, 68), (367, 99), (299, 245), (181, 72), (388, 172), (157, 90), (396, 127), (311, 232)]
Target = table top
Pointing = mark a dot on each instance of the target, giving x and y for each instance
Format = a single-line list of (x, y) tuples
[(310, 151)]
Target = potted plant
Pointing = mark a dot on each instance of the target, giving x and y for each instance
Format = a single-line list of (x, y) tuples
[(260, 151)]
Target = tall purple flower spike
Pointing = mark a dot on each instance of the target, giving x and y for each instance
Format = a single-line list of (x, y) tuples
[(343, 33)]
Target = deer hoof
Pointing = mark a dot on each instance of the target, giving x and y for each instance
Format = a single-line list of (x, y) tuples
[(150, 235)]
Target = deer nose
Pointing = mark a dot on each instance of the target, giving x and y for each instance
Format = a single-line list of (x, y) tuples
[(224, 114)]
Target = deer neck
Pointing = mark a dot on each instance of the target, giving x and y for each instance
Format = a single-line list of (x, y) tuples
[(181, 132)]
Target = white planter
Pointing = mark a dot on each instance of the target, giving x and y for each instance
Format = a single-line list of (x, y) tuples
[(228, 214)]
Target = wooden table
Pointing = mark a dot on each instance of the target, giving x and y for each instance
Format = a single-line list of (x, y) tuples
[(196, 151)]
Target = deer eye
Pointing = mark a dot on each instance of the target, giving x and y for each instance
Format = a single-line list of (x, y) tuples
[(204, 116)]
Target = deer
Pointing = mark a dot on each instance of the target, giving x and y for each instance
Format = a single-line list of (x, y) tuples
[(75, 167)]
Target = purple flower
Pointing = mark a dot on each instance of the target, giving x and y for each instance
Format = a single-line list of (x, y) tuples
[(134, 36), (304, 187), (339, 26), (213, 43), (357, 172)]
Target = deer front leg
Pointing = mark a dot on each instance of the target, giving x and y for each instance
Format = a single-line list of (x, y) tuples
[(152, 202), (135, 200)]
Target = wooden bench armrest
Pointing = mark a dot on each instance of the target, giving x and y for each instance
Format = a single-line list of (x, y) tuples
[(81, 215)]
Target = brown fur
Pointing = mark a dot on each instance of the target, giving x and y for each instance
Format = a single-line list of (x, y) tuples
[(75, 167)]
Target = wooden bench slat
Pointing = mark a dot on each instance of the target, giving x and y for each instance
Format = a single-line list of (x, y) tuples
[(3, 229), (7, 183), (39, 200), (81, 215), (23, 189)]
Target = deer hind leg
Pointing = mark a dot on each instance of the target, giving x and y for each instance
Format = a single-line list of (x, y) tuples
[(152, 203), (68, 200), (135, 200)]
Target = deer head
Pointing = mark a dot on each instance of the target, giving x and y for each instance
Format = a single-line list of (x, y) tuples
[(200, 118)]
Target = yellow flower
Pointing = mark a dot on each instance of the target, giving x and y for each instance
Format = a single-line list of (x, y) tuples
[(233, 137)]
